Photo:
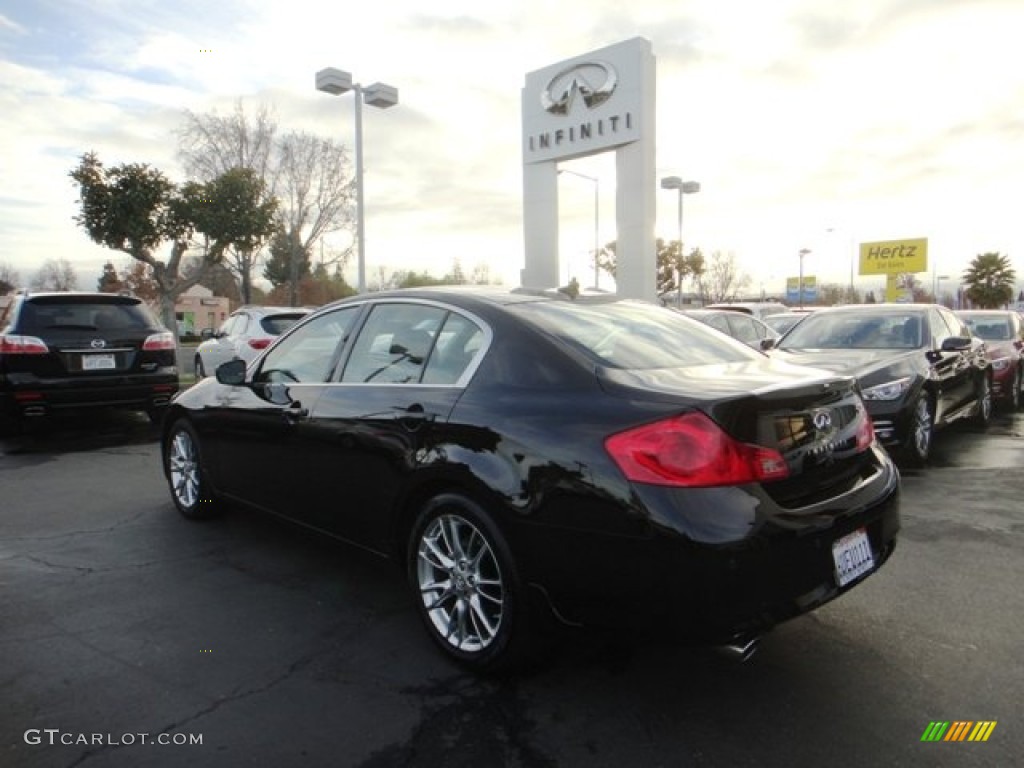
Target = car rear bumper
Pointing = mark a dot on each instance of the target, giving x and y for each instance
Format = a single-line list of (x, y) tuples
[(693, 592), (28, 396)]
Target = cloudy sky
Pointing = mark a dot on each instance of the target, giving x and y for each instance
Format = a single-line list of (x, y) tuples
[(808, 124)]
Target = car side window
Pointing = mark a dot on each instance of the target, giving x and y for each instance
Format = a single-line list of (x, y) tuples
[(719, 323), (241, 323), (956, 325), (227, 325), (307, 355), (743, 329), (457, 345), (940, 330), (394, 345)]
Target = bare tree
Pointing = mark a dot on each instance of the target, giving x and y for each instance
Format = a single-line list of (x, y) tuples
[(9, 278), (316, 191), (55, 275), (721, 280), (309, 176)]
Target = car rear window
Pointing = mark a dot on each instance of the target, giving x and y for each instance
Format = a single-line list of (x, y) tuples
[(855, 330), (44, 314), (633, 335), (275, 325), (989, 328)]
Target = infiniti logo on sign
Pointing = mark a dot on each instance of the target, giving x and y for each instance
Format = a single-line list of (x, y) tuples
[(98, 344), (595, 81)]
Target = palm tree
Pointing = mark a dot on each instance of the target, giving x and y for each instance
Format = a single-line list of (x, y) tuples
[(990, 281)]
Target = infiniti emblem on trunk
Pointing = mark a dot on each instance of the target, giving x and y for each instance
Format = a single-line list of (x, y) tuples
[(98, 344), (822, 421)]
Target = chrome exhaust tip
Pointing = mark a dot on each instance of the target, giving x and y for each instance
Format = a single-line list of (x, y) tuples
[(741, 649)]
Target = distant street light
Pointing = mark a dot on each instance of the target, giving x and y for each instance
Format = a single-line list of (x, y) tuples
[(597, 214), (684, 188), (800, 284), (336, 82)]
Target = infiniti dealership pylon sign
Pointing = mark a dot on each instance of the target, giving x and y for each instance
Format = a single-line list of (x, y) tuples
[(598, 102)]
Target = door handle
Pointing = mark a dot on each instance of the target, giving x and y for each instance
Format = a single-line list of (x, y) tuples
[(413, 416), (294, 412)]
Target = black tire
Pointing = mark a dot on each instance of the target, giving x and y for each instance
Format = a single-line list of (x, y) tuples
[(984, 413), (200, 368), (917, 446), (10, 426), (186, 477), (1017, 391), (467, 588)]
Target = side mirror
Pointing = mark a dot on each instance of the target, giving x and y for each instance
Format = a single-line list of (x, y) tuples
[(956, 344), (767, 344), (231, 373)]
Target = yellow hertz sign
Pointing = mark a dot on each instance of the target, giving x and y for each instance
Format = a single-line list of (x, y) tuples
[(959, 730), (894, 257)]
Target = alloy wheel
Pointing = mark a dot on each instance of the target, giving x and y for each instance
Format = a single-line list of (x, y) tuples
[(922, 428), (460, 583), (183, 464)]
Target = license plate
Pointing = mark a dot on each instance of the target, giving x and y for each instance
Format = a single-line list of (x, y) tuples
[(852, 556), (97, 362)]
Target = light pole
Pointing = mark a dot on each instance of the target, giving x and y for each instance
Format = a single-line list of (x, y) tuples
[(800, 284), (597, 214), (684, 188), (336, 82)]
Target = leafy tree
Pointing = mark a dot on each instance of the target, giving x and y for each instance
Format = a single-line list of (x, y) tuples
[(990, 281), (210, 145), (137, 278), (239, 214), (55, 275), (135, 209), (108, 281), (288, 264), (673, 267)]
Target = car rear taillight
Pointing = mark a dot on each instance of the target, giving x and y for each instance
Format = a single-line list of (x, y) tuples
[(22, 345), (259, 343), (692, 451), (159, 341)]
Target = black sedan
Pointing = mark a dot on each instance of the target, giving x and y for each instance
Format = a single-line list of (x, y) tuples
[(918, 366), (534, 461)]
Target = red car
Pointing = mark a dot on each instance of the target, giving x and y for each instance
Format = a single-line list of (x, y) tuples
[(1003, 334)]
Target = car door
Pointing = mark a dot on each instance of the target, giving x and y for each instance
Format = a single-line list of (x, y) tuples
[(951, 370), (265, 426), (386, 415)]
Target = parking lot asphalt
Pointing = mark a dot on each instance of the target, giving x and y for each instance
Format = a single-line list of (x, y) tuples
[(123, 625)]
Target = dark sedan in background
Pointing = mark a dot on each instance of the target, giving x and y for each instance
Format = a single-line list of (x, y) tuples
[(1003, 334), (918, 365), (533, 460)]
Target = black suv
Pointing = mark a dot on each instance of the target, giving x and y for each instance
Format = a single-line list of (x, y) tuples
[(74, 350)]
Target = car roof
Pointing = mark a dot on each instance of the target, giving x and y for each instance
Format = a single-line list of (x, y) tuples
[(470, 296), (80, 296)]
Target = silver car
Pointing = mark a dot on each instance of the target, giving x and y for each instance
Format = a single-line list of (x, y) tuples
[(247, 332)]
